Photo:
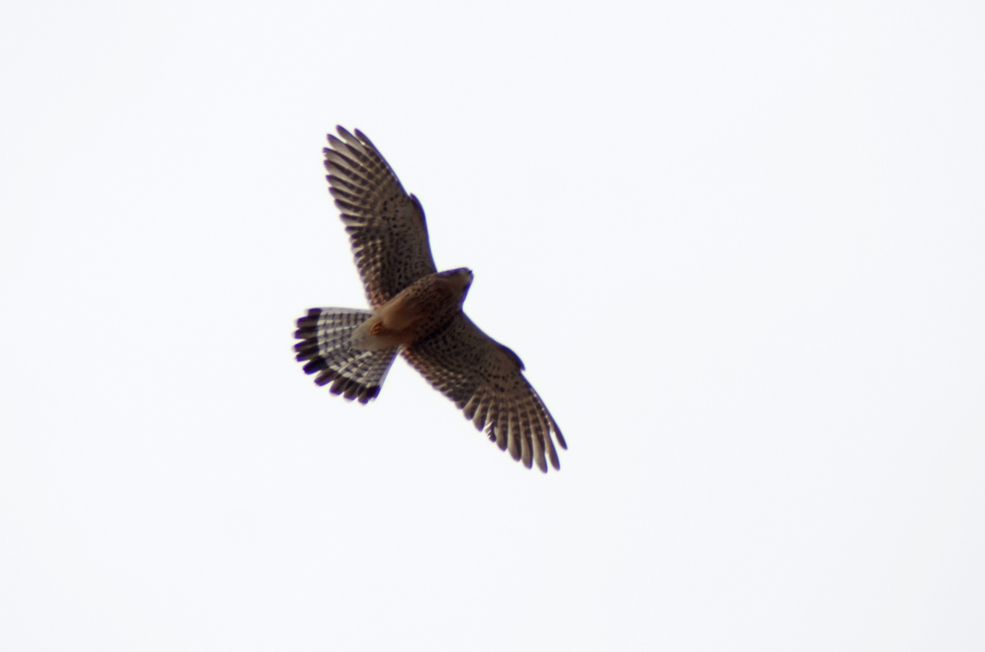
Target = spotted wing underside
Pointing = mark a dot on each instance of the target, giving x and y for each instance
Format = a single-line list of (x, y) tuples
[(386, 225), (485, 380)]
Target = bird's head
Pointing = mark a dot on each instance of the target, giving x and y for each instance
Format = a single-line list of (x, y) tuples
[(461, 280)]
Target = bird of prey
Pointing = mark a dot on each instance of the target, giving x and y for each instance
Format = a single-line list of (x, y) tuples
[(417, 311)]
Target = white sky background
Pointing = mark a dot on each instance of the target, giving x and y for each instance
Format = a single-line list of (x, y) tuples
[(741, 251)]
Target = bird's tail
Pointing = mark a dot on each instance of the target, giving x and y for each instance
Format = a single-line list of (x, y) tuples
[(325, 335)]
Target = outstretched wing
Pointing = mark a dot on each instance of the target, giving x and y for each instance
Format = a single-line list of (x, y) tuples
[(484, 380), (385, 224)]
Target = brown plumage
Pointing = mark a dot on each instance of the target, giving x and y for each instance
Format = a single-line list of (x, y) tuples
[(417, 311)]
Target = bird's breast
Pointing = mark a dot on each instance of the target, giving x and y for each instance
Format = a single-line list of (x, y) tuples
[(418, 311)]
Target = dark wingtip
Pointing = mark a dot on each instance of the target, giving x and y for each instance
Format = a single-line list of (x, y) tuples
[(334, 144), (363, 137), (353, 390), (310, 320), (306, 353), (316, 365), (555, 462), (339, 385)]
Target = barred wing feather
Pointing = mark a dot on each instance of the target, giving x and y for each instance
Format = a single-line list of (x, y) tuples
[(386, 226), (485, 380)]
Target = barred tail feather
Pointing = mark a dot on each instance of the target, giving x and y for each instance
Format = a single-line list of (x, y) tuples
[(324, 335)]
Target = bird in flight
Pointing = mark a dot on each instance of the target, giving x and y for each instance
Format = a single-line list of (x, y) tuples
[(417, 311)]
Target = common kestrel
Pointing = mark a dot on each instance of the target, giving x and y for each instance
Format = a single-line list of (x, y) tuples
[(415, 310)]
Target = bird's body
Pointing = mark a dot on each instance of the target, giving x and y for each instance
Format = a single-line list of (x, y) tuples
[(417, 311)]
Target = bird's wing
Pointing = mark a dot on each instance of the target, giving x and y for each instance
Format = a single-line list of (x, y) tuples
[(385, 225), (484, 380)]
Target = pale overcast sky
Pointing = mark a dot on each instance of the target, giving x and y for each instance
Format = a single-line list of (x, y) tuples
[(739, 246)]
